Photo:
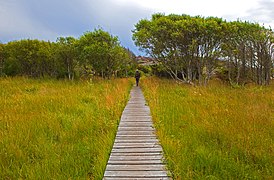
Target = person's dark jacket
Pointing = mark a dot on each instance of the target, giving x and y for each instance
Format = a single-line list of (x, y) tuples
[(137, 75)]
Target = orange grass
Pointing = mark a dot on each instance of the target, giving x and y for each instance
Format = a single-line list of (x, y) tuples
[(56, 129), (215, 132)]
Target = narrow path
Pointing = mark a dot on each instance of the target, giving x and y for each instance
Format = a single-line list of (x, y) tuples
[(136, 153)]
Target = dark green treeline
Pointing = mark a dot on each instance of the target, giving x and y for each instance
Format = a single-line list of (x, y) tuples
[(193, 49), (94, 53)]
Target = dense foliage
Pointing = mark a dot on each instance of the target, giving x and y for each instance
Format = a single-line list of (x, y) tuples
[(95, 52), (192, 49)]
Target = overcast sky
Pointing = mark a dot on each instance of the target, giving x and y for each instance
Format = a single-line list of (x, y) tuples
[(49, 19)]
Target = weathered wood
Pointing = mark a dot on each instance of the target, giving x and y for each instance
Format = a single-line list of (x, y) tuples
[(136, 152), (137, 116), (149, 128), (135, 158), (139, 124), (126, 178), (136, 174), (135, 162), (153, 167), (125, 137), (136, 145), (137, 107), (152, 140), (135, 136), (135, 133), (135, 120)]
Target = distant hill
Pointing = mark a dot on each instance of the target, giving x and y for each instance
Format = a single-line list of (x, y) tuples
[(145, 61)]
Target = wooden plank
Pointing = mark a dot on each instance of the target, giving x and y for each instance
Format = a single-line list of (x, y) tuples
[(135, 133), (136, 162), (136, 128), (151, 140), (136, 112), (132, 136), (137, 108), (139, 102), (126, 178), (137, 137), (141, 109), (136, 120), (135, 158), (137, 115), (139, 124), (144, 132), (135, 145), (136, 174), (137, 150), (151, 167), (117, 153), (136, 99)]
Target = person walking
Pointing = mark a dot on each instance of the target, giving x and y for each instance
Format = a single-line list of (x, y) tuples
[(137, 77)]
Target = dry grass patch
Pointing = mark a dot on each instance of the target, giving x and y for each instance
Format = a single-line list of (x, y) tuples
[(56, 129), (215, 132)]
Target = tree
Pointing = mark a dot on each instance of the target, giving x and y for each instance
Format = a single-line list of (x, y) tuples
[(102, 52), (1, 58), (191, 48), (66, 56), (29, 58)]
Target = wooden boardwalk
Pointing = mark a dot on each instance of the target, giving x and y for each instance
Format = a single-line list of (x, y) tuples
[(136, 153)]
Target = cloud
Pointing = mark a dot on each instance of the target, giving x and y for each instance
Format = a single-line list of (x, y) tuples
[(118, 18), (49, 19), (59, 17), (263, 13), (17, 24)]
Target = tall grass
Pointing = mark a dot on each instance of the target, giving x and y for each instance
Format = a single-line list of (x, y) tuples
[(56, 129), (214, 132)]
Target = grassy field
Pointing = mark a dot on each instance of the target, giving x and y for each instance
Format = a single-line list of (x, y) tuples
[(215, 132), (56, 129)]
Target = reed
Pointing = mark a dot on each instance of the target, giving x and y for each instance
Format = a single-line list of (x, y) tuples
[(214, 132), (53, 129)]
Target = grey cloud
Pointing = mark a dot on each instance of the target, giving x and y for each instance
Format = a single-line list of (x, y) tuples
[(263, 13), (48, 19), (17, 24), (118, 19)]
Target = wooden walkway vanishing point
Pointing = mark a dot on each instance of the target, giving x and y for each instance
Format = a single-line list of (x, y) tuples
[(136, 153)]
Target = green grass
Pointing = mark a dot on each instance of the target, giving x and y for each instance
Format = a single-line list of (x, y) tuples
[(57, 129), (215, 132)]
